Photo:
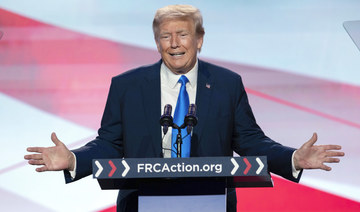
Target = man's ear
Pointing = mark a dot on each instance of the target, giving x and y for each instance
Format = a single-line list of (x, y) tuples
[(199, 42), (157, 45)]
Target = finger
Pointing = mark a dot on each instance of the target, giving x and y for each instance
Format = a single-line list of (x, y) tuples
[(334, 154), (332, 160), (331, 147), (35, 149), (325, 167), (42, 169), (33, 157), (36, 162), (312, 140), (55, 139)]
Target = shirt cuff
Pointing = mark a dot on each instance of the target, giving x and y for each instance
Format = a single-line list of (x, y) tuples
[(73, 173), (295, 172)]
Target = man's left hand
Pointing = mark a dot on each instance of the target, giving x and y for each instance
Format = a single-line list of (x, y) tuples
[(311, 156)]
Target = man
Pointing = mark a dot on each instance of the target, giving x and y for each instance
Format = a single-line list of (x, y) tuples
[(130, 125)]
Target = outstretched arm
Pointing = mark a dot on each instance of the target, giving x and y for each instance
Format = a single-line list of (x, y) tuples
[(55, 158), (311, 156)]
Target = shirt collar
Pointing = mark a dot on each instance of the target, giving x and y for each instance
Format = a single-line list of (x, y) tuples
[(172, 79)]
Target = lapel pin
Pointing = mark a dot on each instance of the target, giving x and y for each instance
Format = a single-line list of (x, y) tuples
[(208, 85)]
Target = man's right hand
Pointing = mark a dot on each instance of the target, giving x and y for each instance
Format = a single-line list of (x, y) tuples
[(55, 158)]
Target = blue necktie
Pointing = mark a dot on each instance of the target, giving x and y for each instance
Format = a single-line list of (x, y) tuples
[(181, 109)]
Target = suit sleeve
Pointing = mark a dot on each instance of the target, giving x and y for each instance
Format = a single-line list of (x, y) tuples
[(249, 139), (109, 143)]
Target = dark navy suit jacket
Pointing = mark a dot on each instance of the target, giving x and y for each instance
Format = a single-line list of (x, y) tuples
[(130, 125)]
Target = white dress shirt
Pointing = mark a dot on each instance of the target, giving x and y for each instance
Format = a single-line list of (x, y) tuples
[(170, 88)]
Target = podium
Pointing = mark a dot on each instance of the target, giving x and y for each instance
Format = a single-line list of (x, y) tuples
[(182, 184)]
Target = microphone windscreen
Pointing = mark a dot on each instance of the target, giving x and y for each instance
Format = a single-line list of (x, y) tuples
[(166, 120)]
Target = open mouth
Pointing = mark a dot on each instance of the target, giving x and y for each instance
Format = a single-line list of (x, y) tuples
[(177, 54)]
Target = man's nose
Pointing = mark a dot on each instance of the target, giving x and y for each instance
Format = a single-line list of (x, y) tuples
[(174, 42)]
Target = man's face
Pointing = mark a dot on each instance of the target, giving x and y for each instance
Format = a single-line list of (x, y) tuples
[(178, 44)]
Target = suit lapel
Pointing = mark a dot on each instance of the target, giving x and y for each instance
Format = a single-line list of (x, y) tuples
[(152, 102), (203, 97)]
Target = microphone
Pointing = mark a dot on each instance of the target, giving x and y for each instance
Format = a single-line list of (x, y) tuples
[(190, 119), (166, 120)]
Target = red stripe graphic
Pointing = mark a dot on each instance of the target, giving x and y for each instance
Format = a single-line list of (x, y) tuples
[(299, 107), (248, 166), (113, 168)]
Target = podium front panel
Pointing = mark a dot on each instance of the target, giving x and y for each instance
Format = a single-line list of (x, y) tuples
[(188, 203), (133, 173)]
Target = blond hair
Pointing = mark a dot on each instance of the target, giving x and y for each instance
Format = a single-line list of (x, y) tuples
[(178, 12)]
